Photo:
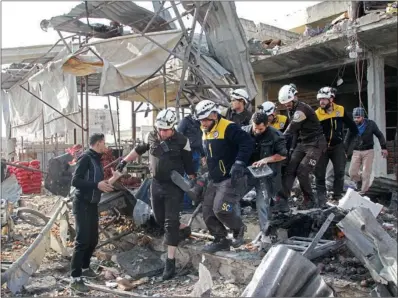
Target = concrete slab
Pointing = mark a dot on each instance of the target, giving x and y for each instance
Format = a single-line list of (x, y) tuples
[(140, 262), (237, 266)]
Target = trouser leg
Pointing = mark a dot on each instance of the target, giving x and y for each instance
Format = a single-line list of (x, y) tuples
[(355, 165), (367, 157), (215, 226), (320, 176), (263, 198), (82, 240), (224, 207), (338, 157), (291, 171), (93, 222), (313, 152), (172, 203)]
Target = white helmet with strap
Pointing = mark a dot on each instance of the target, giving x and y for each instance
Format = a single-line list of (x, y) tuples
[(240, 94), (204, 108), (268, 108), (287, 93), (326, 92), (166, 119)]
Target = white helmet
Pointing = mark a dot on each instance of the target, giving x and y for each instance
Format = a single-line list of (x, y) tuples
[(240, 94), (326, 92), (204, 108), (166, 119), (268, 108), (287, 94)]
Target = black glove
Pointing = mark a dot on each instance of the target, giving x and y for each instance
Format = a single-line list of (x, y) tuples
[(121, 165), (237, 171)]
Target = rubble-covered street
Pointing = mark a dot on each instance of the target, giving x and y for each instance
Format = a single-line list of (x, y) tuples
[(340, 269)]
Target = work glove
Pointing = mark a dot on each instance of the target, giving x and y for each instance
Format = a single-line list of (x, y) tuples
[(121, 165), (238, 170)]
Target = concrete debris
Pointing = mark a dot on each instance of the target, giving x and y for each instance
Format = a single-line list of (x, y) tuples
[(352, 199), (286, 273), (140, 262), (203, 286), (371, 244)]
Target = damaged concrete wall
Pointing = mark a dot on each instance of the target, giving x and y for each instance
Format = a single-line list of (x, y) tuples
[(263, 32)]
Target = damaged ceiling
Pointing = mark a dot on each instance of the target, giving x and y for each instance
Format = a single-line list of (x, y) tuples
[(328, 50)]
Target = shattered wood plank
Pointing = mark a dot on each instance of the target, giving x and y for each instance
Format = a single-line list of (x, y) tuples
[(110, 291)]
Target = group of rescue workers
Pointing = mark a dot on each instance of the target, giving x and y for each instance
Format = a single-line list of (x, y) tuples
[(293, 147)]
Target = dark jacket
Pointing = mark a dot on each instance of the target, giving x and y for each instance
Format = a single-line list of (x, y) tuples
[(365, 141), (269, 143), (241, 119), (166, 156), (304, 123), (88, 173), (223, 145), (190, 128), (332, 124)]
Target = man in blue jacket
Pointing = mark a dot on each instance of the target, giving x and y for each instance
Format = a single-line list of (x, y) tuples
[(228, 149), (88, 181)]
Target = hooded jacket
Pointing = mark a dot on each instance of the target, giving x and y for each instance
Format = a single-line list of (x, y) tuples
[(88, 173)]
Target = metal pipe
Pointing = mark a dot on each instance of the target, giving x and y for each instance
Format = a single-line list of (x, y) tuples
[(186, 59), (23, 167), (118, 120), (87, 112), (154, 16), (63, 40), (147, 100), (133, 122), (50, 106), (44, 140), (179, 18), (81, 109), (164, 87), (201, 32), (113, 125), (139, 106)]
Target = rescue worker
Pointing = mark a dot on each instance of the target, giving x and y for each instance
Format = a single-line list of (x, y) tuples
[(228, 149), (363, 153), (238, 112), (270, 148), (190, 128), (308, 145), (332, 118), (277, 121), (168, 150)]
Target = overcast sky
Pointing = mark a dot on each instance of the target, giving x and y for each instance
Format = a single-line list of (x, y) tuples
[(21, 27)]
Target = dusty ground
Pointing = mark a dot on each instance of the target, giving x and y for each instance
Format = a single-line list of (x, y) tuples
[(340, 270)]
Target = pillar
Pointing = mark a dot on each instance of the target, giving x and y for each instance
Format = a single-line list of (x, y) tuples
[(377, 108)]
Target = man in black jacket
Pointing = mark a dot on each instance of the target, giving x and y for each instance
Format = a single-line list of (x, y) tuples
[(363, 153), (190, 128), (332, 118), (168, 150), (88, 181), (270, 148), (304, 127), (228, 149)]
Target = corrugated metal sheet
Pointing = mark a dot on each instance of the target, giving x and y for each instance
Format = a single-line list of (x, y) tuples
[(123, 12)]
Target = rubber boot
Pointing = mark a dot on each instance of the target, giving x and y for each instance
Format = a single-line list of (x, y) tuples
[(222, 244), (280, 205), (238, 237), (169, 269)]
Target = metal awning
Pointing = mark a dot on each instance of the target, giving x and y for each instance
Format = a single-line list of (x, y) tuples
[(123, 12)]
